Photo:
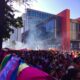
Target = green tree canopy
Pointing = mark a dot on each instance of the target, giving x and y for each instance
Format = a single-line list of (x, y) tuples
[(7, 18)]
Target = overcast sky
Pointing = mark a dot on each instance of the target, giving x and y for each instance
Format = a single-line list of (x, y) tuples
[(55, 6)]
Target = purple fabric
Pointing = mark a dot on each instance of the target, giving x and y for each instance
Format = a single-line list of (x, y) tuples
[(7, 71), (31, 73)]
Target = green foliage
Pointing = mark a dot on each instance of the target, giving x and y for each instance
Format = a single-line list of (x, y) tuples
[(18, 22), (9, 21)]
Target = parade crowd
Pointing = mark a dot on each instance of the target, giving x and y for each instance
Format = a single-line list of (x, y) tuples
[(60, 65)]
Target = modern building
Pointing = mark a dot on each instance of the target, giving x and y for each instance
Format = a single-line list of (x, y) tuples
[(16, 36), (30, 19), (75, 33), (52, 31)]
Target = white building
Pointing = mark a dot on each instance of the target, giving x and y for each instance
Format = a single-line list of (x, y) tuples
[(16, 36)]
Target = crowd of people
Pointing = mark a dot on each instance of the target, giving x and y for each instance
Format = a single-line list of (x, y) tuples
[(60, 65), (55, 63)]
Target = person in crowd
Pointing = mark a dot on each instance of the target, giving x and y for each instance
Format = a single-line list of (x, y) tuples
[(75, 64), (72, 74)]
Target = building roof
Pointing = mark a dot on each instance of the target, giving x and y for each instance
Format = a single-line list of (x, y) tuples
[(75, 20), (29, 9)]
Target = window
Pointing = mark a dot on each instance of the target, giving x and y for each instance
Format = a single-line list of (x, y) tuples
[(73, 31), (79, 27), (79, 45), (50, 26), (79, 36), (71, 45)]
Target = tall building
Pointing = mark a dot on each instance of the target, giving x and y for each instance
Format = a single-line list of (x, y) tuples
[(51, 31), (30, 19), (75, 33), (16, 36)]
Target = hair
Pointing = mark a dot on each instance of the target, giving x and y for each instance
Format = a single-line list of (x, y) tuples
[(76, 60), (71, 75)]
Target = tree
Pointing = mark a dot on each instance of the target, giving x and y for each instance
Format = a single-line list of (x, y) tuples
[(7, 18)]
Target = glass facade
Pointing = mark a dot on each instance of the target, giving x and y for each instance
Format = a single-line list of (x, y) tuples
[(34, 17), (48, 32), (75, 31), (78, 31), (75, 45), (47, 29), (35, 13), (75, 35), (44, 28)]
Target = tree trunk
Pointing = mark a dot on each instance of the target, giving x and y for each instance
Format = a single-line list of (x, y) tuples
[(1, 40), (2, 21)]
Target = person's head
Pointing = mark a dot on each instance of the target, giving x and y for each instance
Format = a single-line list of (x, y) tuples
[(76, 62), (77, 77), (73, 74)]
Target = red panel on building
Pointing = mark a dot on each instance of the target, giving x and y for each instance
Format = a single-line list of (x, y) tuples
[(65, 28)]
